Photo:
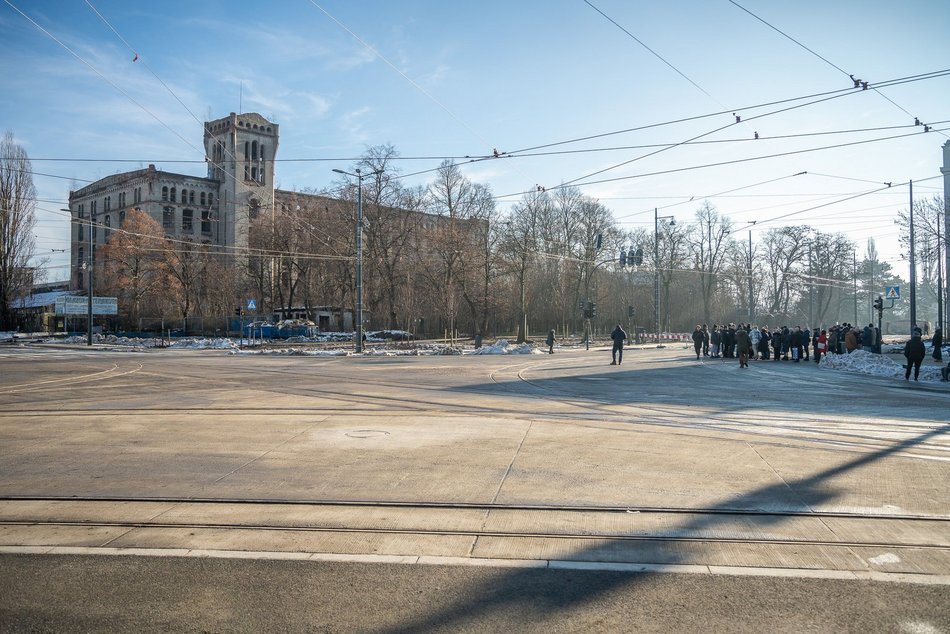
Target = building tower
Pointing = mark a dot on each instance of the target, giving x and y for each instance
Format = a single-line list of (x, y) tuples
[(240, 150)]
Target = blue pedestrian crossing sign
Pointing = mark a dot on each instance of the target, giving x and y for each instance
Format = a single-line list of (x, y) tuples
[(892, 292), (252, 304)]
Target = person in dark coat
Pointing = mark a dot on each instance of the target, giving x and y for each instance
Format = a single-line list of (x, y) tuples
[(619, 336), (705, 341), (764, 340), (777, 343), (698, 340), (915, 352), (550, 341), (938, 344), (743, 346)]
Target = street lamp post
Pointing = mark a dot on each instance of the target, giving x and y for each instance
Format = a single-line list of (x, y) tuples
[(87, 266), (656, 269), (359, 253)]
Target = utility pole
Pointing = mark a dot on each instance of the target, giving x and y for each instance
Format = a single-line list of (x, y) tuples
[(913, 266), (751, 304), (854, 275), (945, 170)]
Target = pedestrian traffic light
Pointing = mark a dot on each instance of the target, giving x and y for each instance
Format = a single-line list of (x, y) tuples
[(879, 305), (631, 312), (623, 258)]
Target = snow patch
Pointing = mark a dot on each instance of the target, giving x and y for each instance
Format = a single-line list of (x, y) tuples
[(503, 347), (865, 362), (886, 558)]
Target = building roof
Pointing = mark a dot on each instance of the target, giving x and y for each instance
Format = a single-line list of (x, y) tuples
[(39, 300)]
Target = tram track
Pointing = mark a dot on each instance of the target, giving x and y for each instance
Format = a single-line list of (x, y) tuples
[(579, 524)]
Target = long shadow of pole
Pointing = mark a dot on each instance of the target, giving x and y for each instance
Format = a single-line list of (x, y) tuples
[(528, 590)]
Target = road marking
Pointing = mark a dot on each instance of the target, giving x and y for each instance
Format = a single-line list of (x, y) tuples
[(553, 564)]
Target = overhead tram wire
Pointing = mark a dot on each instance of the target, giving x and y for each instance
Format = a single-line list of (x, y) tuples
[(827, 61), (460, 157), (889, 82), (852, 197), (655, 54), (722, 163), (699, 136)]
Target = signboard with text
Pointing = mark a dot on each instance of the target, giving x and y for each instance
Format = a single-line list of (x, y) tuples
[(73, 305)]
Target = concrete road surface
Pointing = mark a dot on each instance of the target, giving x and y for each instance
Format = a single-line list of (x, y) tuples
[(742, 497)]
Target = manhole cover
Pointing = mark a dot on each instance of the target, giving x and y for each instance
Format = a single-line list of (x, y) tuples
[(367, 433)]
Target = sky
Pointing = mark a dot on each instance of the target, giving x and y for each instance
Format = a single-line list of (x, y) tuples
[(635, 103)]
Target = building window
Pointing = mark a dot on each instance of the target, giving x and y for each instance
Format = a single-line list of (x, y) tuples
[(92, 209), (186, 220), (247, 172), (173, 195), (191, 197), (121, 200), (82, 232), (107, 203), (164, 194), (121, 217), (137, 195), (205, 221), (210, 199), (203, 199), (184, 195), (168, 218), (108, 228), (253, 173)]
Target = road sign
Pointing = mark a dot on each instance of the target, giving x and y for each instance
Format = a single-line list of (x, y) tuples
[(892, 292), (252, 304)]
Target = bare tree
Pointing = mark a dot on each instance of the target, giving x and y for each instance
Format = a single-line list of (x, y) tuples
[(132, 266), (17, 219), (708, 240), (784, 250), (520, 246)]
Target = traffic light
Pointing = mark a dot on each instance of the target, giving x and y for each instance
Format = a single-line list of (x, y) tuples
[(623, 258), (582, 306), (879, 305), (599, 241), (631, 312), (593, 310), (638, 256)]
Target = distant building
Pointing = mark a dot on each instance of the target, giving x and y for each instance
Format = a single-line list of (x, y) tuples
[(215, 210)]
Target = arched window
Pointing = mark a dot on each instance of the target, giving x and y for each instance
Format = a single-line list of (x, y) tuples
[(82, 233), (210, 199), (191, 197), (254, 150), (202, 198), (247, 150), (108, 228), (121, 217), (164, 193), (173, 196)]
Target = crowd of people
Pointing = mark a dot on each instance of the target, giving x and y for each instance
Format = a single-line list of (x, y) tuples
[(730, 341), (744, 342)]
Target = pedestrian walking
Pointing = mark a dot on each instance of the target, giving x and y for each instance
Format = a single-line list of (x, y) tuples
[(915, 352), (550, 341), (937, 342), (619, 336), (698, 340), (743, 345)]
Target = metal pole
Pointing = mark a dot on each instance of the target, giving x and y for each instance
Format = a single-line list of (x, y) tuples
[(359, 262), (656, 274), (751, 307), (939, 278), (854, 275), (89, 283), (913, 266)]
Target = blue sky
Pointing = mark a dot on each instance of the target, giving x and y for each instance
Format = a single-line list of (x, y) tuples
[(436, 78)]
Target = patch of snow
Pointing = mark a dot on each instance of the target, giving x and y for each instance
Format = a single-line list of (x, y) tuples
[(886, 558), (219, 343), (503, 347), (876, 365)]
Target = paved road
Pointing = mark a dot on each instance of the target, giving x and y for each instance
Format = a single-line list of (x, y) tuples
[(562, 461)]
